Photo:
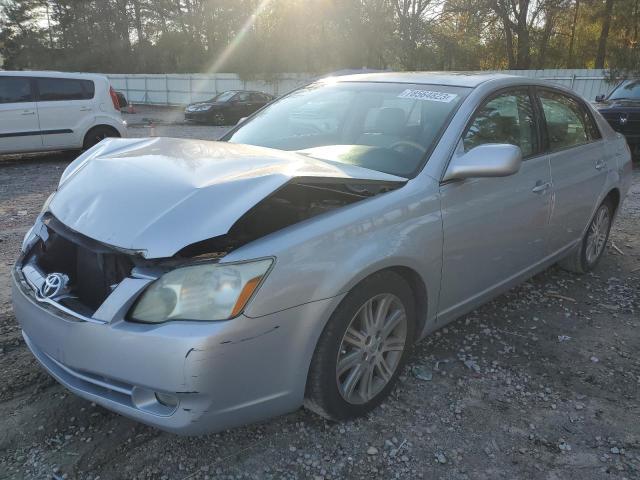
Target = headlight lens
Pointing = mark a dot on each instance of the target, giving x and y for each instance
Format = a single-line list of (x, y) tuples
[(201, 292)]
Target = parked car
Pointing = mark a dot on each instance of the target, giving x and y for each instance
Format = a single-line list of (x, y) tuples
[(195, 286), (42, 111), (227, 108), (621, 108)]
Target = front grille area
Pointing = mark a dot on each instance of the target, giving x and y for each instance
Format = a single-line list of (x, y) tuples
[(632, 125), (93, 269)]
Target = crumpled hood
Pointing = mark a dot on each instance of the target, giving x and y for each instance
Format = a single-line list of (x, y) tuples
[(158, 195)]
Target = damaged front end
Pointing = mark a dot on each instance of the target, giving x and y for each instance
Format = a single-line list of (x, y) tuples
[(92, 238), (71, 271), (123, 285), (86, 272)]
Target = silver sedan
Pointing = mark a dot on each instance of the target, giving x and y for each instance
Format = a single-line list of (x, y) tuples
[(195, 286)]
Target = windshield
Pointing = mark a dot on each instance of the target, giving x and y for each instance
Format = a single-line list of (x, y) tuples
[(222, 97), (387, 127), (627, 89)]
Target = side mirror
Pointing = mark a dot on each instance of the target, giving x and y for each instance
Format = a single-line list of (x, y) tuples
[(599, 98), (489, 160)]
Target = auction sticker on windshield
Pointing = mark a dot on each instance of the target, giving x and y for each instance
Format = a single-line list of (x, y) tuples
[(428, 95)]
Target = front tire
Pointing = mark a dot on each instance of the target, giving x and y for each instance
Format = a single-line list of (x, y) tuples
[(362, 349), (587, 254), (219, 119)]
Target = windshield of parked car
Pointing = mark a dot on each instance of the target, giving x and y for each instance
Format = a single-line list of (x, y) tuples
[(629, 89), (389, 127), (223, 97)]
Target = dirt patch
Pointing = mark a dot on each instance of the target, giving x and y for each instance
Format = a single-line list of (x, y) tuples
[(541, 383)]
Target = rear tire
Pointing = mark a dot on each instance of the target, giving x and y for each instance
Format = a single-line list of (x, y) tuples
[(97, 134), (362, 349), (586, 255)]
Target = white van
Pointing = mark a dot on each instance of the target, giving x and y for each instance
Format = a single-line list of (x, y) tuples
[(42, 111)]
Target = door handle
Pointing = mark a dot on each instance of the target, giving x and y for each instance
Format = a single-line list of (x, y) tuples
[(541, 187), (600, 164), (26, 112), (85, 109)]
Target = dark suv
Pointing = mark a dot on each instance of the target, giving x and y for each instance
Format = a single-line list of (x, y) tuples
[(621, 108)]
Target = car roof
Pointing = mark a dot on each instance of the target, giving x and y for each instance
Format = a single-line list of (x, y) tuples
[(457, 79), (50, 73)]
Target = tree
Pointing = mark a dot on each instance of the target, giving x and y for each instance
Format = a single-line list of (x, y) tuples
[(604, 34), (257, 37)]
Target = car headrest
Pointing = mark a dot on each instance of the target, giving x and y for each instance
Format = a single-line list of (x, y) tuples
[(390, 120)]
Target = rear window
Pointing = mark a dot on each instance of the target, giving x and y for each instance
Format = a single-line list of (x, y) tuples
[(15, 90), (57, 89)]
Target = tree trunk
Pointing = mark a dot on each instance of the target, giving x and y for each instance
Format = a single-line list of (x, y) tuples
[(570, 59), (546, 35), (522, 31), (137, 19), (509, 40), (604, 34)]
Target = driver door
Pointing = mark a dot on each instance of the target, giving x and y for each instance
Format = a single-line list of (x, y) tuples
[(495, 229)]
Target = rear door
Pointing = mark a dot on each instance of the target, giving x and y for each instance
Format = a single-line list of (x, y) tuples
[(19, 129), (495, 228), (66, 110), (578, 162)]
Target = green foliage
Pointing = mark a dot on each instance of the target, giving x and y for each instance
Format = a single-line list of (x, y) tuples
[(266, 37)]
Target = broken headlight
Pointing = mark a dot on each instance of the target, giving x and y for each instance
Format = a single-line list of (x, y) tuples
[(30, 236), (211, 291)]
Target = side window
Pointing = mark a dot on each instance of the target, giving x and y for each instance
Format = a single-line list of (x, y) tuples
[(241, 97), (568, 122), (506, 118), (57, 89), (15, 90)]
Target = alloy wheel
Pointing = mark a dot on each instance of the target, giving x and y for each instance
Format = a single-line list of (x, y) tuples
[(371, 348), (597, 234)]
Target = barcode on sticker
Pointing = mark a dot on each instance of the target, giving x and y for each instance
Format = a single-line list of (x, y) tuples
[(427, 95)]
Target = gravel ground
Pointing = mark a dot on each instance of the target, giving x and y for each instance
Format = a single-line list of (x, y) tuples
[(541, 383)]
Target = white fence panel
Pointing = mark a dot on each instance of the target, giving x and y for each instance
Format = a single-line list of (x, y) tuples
[(182, 89)]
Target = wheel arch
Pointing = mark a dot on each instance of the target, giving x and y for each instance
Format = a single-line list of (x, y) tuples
[(100, 125), (420, 295), (614, 196), (416, 283)]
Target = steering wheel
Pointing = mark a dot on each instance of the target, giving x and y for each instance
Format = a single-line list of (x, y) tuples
[(408, 143)]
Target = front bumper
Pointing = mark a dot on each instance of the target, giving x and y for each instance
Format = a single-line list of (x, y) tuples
[(223, 374)]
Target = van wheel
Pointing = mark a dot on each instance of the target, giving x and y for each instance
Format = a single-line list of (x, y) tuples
[(97, 134), (362, 349), (587, 254)]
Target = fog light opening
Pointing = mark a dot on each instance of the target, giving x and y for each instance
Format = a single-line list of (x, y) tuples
[(166, 400)]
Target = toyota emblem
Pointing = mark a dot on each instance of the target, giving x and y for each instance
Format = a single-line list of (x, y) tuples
[(623, 119), (54, 284)]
